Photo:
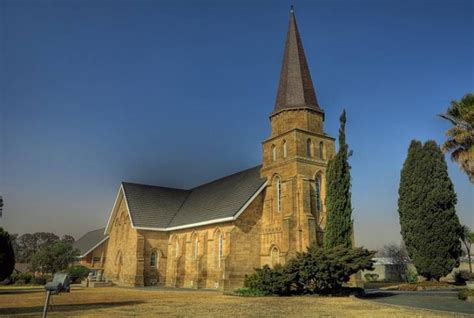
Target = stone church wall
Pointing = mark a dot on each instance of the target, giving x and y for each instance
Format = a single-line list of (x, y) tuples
[(124, 265), (244, 255)]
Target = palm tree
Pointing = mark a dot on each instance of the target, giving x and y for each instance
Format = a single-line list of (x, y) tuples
[(460, 141)]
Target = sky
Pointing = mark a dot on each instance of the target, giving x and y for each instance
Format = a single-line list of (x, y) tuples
[(177, 93)]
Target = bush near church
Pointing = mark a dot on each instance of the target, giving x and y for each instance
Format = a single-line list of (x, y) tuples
[(78, 273), (317, 271)]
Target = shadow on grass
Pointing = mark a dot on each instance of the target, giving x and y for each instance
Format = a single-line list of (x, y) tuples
[(67, 307), (376, 295)]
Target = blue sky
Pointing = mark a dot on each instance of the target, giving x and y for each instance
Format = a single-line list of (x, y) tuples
[(177, 93)]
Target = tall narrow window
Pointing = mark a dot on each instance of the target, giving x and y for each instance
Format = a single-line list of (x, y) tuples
[(177, 247), (308, 147), (285, 149), (278, 193), (220, 239), (321, 150), (153, 259), (196, 246), (275, 256), (274, 153), (318, 192)]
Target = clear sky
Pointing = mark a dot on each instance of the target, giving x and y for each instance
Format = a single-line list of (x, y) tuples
[(177, 93)]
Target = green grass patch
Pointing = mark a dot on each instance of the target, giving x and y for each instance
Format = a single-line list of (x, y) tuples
[(464, 293), (15, 287), (249, 292)]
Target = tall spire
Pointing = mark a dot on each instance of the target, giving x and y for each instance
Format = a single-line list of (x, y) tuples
[(295, 89)]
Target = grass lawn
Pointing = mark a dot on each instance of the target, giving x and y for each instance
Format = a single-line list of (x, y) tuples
[(125, 302), (16, 287)]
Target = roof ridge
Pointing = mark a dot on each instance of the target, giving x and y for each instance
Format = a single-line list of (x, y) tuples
[(153, 186), (179, 209), (227, 176), (206, 184)]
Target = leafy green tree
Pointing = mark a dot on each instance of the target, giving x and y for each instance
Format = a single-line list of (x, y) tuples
[(54, 258), (28, 244), (338, 194), (7, 257), (467, 238), (68, 239), (460, 142), (426, 206)]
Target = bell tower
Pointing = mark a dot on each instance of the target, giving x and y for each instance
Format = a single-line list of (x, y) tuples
[(295, 158)]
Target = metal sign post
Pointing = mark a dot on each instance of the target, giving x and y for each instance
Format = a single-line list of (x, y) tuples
[(61, 283)]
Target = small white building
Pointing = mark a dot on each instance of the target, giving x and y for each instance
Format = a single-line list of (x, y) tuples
[(385, 269)]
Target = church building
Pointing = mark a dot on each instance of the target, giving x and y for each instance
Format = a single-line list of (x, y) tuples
[(212, 235)]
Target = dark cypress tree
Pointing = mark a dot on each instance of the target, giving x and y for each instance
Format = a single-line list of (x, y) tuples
[(338, 194), (7, 258), (426, 205)]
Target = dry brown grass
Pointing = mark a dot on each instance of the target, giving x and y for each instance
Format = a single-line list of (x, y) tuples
[(122, 302)]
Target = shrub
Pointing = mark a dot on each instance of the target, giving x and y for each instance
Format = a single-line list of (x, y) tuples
[(269, 281), (78, 272), (324, 270), (39, 280), (318, 271), (464, 293), (371, 277), (412, 276), (461, 277), (21, 278)]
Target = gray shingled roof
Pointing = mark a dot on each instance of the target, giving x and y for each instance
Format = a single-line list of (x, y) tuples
[(89, 240), (153, 206), (160, 207)]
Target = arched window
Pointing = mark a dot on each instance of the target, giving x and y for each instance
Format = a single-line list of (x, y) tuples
[(285, 149), (278, 193), (321, 150), (308, 147), (153, 259), (274, 153), (220, 246), (317, 189), (196, 246), (275, 256)]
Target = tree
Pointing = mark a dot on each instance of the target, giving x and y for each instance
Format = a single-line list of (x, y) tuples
[(338, 195), (27, 244), (1, 206), (398, 256), (426, 206), (467, 238), (54, 258), (7, 257), (460, 141), (68, 239)]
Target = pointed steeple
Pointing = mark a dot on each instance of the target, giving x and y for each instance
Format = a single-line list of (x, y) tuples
[(295, 89)]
